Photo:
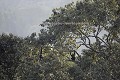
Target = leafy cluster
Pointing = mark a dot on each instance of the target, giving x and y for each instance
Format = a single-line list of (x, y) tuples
[(94, 24)]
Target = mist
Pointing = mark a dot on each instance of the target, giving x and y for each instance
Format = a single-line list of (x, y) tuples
[(22, 17)]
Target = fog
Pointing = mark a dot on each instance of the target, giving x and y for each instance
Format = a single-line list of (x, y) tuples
[(22, 17)]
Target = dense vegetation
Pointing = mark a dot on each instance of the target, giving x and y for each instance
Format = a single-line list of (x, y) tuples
[(53, 54)]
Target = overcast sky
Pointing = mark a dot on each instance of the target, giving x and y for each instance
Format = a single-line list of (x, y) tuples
[(22, 17)]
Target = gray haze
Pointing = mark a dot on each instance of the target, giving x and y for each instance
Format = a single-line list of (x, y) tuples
[(22, 17)]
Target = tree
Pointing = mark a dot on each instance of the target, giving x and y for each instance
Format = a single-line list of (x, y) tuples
[(9, 56), (88, 20), (69, 28), (49, 68)]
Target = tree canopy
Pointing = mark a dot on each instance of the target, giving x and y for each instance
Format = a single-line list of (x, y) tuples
[(53, 54)]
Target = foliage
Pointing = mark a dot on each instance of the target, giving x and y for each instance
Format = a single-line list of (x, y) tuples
[(90, 23), (9, 55)]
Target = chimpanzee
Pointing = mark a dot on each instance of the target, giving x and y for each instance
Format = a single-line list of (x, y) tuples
[(40, 54), (73, 55)]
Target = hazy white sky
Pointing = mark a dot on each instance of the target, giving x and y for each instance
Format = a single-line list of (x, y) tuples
[(22, 17)]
